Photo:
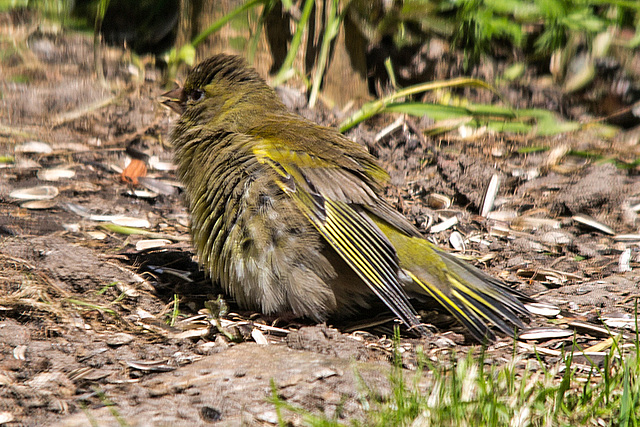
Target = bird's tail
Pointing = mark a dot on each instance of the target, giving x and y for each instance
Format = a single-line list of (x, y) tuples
[(474, 298)]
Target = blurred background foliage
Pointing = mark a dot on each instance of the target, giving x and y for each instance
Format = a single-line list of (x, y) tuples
[(355, 52)]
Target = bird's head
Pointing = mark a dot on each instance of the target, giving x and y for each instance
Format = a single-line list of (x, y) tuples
[(219, 84)]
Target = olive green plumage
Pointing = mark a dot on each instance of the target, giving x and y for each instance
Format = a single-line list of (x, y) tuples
[(287, 215)]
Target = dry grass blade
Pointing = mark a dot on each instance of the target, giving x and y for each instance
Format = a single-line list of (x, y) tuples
[(22, 289)]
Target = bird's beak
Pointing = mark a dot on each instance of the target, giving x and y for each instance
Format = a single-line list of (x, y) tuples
[(176, 99)]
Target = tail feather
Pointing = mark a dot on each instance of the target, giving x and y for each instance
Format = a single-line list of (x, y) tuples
[(460, 310), (489, 285), (474, 298), (486, 307)]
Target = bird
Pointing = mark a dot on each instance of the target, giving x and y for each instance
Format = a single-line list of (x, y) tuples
[(288, 215)]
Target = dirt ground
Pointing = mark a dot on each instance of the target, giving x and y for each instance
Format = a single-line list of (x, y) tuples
[(98, 328)]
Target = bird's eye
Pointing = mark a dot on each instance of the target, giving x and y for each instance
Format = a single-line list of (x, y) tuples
[(196, 95)]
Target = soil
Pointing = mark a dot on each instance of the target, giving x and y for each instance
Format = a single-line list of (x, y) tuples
[(94, 328)]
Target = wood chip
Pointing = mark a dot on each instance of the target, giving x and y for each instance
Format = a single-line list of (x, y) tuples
[(531, 223), (151, 366), (39, 204), (627, 322), (55, 174), (594, 330), (626, 237), (143, 245), (157, 186), (591, 222), (457, 241), (119, 338), (42, 192), (438, 201), (551, 352), (259, 337), (444, 225), (6, 417), (545, 333), (34, 147), (142, 194), (490, 195), (504, 216), (624, 262), (20, 352), (542, 309), (128, 221)]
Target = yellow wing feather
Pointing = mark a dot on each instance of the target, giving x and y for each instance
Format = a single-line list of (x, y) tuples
[(349, 232)]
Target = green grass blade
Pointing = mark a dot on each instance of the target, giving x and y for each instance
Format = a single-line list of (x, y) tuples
[(334, 20), (224, 20), (625, 400), (285, 71), (370, 109)]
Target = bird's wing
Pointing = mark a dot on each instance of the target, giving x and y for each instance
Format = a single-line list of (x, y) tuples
[(329, 195), (337, 168)]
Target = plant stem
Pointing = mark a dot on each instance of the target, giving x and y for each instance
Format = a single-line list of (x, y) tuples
[(287, 65)]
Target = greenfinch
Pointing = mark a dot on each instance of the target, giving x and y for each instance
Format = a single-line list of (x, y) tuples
[(288, 217)]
